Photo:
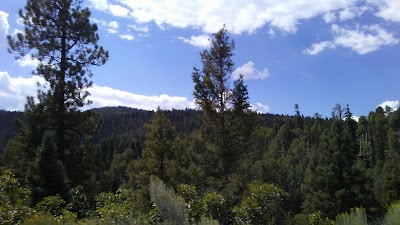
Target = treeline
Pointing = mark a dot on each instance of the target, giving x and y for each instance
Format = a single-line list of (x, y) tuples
[(222, 164)]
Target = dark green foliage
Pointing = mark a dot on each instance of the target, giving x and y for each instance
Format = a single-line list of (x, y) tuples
[(54, 144), (7, 127), (48, 175)]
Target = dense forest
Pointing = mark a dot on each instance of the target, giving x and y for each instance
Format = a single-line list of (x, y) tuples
[(222, 163)]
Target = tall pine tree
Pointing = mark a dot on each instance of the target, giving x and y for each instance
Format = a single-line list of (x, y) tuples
[(60, 36)]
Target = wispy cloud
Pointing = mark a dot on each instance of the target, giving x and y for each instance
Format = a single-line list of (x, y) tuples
[(362, 39), (352, 12), (140, 28), (128, 37), (316, 48)]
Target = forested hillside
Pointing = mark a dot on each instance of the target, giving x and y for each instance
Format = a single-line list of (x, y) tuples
[(221, 164)]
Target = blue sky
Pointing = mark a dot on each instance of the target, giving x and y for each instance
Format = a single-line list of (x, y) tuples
[(312, 53)]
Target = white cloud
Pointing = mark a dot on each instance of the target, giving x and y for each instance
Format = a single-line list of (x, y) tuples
[(388, 10), (99, 4), (106, 96), (249, 72), (16, 31), (99, 22), (4, 26), (271, 32), (329, 17), (28, 61), (210, 16), (362, 40), (127, 37), (202, 41), (113, 27), (261, 108), (316, 48), (115, 10), (13, 92), (351, 12), (140, 28), (355, 118), (20, 21), (392, 104), (118, 10)]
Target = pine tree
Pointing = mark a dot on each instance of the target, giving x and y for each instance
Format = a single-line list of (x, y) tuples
[(223, 105), (157, 154), (60, 36)]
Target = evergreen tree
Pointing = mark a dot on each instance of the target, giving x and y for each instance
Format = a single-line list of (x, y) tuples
[(157, 154), (60, 36), (332, 183), (221, 103), (50, 175)]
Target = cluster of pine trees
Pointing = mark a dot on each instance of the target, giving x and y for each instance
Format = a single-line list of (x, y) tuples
[(222, 164)]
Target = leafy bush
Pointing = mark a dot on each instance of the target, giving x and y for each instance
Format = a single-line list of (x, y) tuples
[(357, 216), (14, 199), (392, 217)]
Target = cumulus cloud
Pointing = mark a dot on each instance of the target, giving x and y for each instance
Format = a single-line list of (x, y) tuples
[(388, 9), (113, 27), (202, 41), (4, 26), (13, 92), (392, 104), (127, 37), (118, 10), (115, 10), (210, 16), (249, 72), (261, 108), (362, 40), (365, 39), (106, 96), (28, 61)]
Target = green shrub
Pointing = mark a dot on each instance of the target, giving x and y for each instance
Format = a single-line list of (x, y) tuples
[(392, 217), (356, 216)]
